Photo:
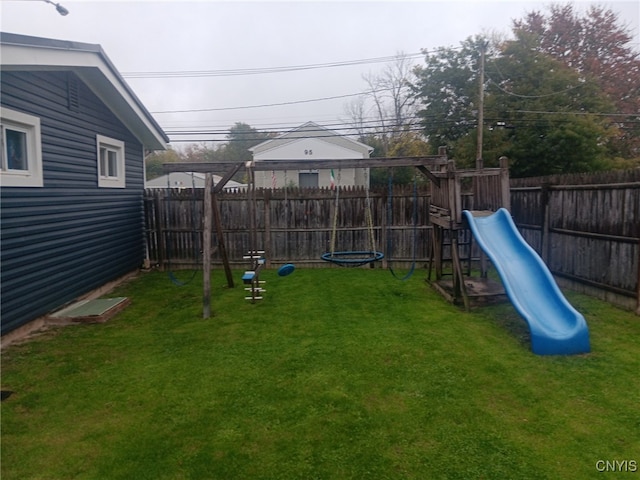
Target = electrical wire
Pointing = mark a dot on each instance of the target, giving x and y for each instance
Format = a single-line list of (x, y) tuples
[(373, 125), (378, 129), (513, 94), (267, 70), (293, 102)]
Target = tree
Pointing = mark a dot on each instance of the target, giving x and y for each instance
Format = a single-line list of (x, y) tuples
[(241, 138), (199, 152), (388, 102), (596, 45), (547, 107), (356, 112), (404, 144), (446, 89), (154, 161), (537, 110)]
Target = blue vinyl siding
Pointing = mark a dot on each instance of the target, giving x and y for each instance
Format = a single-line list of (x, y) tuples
[(68, 237)]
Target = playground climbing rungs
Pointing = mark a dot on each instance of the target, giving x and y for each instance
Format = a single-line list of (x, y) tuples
[(253, 255)]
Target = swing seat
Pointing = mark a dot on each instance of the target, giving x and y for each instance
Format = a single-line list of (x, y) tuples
[(352, 258)]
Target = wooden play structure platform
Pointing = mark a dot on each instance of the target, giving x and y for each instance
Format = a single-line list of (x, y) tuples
[(450, 234)]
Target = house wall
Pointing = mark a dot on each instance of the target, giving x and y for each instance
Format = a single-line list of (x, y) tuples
[(307, 148), (310, 149), (68, 237), (346, 177)]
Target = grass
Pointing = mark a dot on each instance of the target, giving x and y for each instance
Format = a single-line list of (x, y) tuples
[(338, 373)]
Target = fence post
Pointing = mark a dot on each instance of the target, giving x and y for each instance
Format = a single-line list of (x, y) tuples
[(638, 287), (505, 187), (384, 231), (159, 220), (544, 228), (267, 227)]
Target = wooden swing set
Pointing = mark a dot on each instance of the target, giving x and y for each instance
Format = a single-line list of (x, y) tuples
[(490, 187)]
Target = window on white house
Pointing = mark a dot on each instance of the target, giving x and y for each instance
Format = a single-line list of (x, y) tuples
[(308, 179), (110, 162), (21, 153)]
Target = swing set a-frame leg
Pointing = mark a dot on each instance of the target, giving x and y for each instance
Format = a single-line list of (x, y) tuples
[(221, 245)]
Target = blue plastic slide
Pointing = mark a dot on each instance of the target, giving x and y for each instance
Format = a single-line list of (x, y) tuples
[(556, 327)]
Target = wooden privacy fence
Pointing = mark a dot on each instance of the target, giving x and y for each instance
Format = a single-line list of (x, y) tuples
[(585, 227), (587, 230), (293, 225)]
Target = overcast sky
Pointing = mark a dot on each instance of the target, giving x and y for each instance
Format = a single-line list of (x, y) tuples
[(210, 36)]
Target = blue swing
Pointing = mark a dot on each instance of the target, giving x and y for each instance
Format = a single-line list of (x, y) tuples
[(352, 259)]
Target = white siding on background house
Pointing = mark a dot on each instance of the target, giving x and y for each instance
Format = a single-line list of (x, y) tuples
[(311, 142), (309, 148)]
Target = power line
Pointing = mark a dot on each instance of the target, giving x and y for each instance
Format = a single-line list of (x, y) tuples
[(513, 94), (279, 128), (597, 114), (294, 102), (266, 70), (328, 135), (375, 128)]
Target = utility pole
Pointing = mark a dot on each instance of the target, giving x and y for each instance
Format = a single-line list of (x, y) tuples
[(479, 161)]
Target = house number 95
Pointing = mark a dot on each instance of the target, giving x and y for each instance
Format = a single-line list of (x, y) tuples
[(308, 152)]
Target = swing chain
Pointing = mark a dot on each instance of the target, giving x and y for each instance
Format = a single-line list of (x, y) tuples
[(368, 214)]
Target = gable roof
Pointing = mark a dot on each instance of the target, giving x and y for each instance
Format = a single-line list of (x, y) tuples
[(91, 64), (312, 130)]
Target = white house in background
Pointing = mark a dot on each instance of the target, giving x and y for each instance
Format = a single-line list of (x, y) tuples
[(311, 142), (189, 180)]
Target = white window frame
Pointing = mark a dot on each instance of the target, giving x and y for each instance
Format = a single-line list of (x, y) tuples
[(116, 147), (30, 126)]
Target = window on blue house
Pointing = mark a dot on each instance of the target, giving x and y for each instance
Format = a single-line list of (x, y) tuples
[(21, 152), (111, 170)]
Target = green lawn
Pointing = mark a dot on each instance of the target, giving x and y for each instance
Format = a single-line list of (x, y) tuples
[(337, 374)]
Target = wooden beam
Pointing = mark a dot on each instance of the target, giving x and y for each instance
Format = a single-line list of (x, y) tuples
[(638, 288), (320, 164), (426, 172), (225, 179), (215, 209), (220, 168), (505, 191), (459, 287), (309, 164), (206, 247)]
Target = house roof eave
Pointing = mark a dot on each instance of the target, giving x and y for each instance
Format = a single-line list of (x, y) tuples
[(91, 64)]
